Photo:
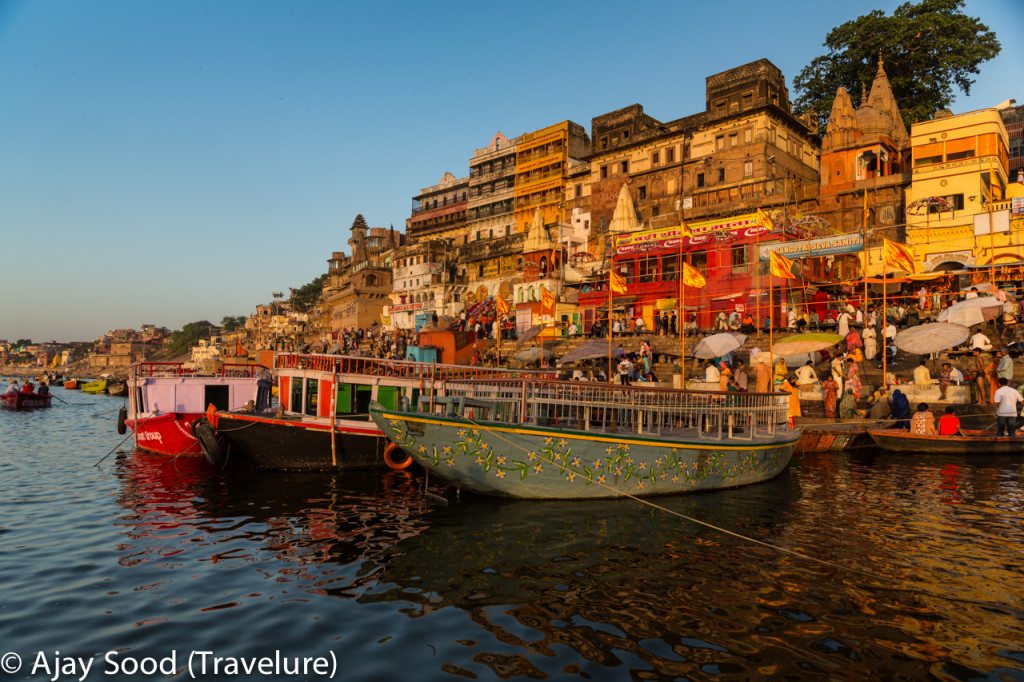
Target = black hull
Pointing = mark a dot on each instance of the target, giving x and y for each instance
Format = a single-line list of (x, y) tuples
[(284, 445)]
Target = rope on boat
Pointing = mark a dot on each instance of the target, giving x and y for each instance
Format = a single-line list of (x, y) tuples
[(680, 515)]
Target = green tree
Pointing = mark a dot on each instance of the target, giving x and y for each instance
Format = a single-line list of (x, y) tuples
[(928, 48), (183, 339), (231, 323), (305, 297)]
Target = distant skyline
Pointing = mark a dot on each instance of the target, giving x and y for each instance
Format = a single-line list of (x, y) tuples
[(170, 162)]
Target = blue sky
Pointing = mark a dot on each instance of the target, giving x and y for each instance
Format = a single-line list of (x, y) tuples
[(167, 162)]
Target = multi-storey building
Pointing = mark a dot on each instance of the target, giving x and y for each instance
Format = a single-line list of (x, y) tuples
[(423, 283), (358, 286), (960, 166), (492, 178), (542, 166), (1013, 119), (439, 211)]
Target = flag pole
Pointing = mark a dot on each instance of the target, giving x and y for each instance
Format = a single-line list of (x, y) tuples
[(611, 271), (682, 312), (885, 323), (864, 250), (499, 338)]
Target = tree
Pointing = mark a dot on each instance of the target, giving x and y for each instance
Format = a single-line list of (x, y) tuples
[(928, 47), (232, 323), (305, 297), (183, 339)]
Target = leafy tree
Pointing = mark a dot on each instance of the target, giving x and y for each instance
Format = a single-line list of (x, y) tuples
[(21, 343), (232, 323), (305, 297), (928, 47), (183, 339)]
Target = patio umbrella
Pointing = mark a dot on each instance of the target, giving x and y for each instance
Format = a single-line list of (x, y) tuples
[(591, 350), (717, 345), (530, 333), (925, 339), (533, 354), (972, 311), (806, 343)]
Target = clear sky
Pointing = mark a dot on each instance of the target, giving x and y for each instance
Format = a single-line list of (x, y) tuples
[(167, 162)]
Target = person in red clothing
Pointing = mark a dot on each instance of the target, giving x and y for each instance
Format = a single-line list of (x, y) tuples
[(949, 423), (27, 387)]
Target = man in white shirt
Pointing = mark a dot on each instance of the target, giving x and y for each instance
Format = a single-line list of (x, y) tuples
[(973, 293), (711, 374), (12, 388), (956, 376), (806, 375), (980, 342), (1006, 400), (843, 322)]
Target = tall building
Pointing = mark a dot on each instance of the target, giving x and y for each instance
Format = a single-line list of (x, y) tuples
[(960, 167), (1013, 119), (542, 166), (439, 211), (492, 179), (358, 286)]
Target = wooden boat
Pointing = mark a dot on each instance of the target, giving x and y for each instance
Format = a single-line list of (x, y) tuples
[(25, 401), (72, 384), (305, 436), (543, 439), (973, 442), (165, 400), (117, 387), (99, 386)]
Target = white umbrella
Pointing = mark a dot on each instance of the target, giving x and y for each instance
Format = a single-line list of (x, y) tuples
[(533, 354), (925, 339), (717, 345), (972, 311)]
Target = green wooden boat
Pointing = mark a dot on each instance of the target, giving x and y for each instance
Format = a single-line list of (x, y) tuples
[(95, 386), (542, 439)]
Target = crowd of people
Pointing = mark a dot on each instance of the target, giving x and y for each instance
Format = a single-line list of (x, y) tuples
[(27, 388)]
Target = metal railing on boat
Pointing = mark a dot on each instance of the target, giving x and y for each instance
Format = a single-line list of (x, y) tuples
[(589, 406), (405, 369), (146, 370)]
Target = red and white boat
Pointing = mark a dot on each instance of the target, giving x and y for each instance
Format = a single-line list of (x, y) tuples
[(165, 398)]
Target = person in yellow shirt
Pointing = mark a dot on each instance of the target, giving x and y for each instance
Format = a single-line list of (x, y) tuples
[(922, 376), (790, 387)]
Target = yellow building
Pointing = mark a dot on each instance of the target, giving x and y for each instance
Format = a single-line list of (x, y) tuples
[(542, 163), (960, 170)]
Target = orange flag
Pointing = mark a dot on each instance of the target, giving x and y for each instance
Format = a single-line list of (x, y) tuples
[(547, 299), (780, 266), (617, 282), (765, 220), (692, 277), (685, 230), (501, 305), (898, 256)]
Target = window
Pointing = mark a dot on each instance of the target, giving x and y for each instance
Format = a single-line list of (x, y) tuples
[(625, 166), (748, 135), (604, 142), (720, 142), (655, 158), (748, 100), (625, 134), (578, 190), (480, 271), (604, 172), (642, 192), (700, 179), (960, 149), (748, 169), (655, 211), (670, 155), (734, 107), (721, 175), (739, 256), (734, 139), (699, 260)]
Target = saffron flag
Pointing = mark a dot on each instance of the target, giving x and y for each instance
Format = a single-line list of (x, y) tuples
[(617, 282), (765, 220), (780, 266), (501, 305), (685, 230), (547, 299), (898, 256), (692, 277)]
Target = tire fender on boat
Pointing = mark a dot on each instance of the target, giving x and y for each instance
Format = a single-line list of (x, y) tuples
[(397, 464), (122, 415), (208, 443)]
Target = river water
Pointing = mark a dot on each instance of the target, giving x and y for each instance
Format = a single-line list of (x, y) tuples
[(150, 558)]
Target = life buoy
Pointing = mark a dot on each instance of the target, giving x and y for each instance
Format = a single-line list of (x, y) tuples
[(122, 415), (389, 458), (208, 442)]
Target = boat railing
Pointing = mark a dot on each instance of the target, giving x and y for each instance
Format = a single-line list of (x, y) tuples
[(591, 406), (147, 370), (405, 369)]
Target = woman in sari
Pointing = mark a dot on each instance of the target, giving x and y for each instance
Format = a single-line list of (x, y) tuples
[(853, 377), (830, 394), (848, 406), (900, 409)]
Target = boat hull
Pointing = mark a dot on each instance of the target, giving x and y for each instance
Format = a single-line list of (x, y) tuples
[(293, 444), (537, 462), (72, 384), (95, 386), (26, 401), (167, 434), (975, 443)]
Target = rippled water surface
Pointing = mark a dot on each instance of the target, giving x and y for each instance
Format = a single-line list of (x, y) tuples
[(147, 556)]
